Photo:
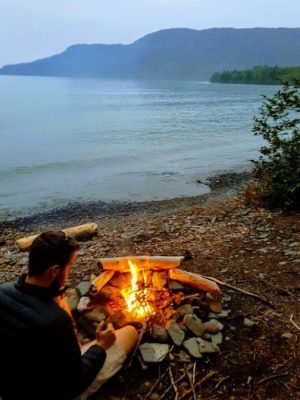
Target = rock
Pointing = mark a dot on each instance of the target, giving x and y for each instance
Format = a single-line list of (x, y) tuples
[(206, 347), (81, 252), (23, 260), (294, 244), (222, 314), (262, 251), (217, 339), (159, 333), (153, 352), (183, 356), (154, 396), (185, 309), (248, 323), (73, 298), (211, 327), (83, 304), (215, 306), (296, 261), (194, 324), (218, 323), (173, 285), (192, 346), (97, 314), (287, 335), (290, 253), (83, 288), (175, 332)]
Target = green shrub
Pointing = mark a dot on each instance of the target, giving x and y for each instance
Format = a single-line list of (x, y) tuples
[(278, 167)]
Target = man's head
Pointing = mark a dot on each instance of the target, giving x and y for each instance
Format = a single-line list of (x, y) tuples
[(51, 256)]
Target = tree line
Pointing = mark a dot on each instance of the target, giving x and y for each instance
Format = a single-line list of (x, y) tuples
[(262, 75)]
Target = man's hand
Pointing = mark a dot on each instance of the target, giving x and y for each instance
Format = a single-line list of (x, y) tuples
[(105, 335)]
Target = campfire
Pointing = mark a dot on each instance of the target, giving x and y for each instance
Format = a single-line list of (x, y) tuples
[(168, 305)]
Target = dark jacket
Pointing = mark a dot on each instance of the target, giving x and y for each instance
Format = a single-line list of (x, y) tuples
[(39, 354)]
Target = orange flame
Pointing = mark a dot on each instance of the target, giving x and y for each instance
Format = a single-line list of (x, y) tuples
[(135, 297)]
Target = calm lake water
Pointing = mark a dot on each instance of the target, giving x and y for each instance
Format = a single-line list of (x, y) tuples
[(85, 139)]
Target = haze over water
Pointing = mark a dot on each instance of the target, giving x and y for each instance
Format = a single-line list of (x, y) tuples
[(66, 139)]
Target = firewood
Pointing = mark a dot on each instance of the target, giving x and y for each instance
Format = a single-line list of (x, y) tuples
[(195, 280), (157, 263), (80, 232), (101, 281)]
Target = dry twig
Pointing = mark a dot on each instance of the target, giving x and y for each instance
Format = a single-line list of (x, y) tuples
[(173, 384), (268, 378), (294, 323)]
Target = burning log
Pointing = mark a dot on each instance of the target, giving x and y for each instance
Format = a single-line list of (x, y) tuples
[(195, 280), (100, 281), (80, 232), (156, 263)]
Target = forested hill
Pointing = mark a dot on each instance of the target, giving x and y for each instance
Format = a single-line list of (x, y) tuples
[(173, 54), (261, 75)]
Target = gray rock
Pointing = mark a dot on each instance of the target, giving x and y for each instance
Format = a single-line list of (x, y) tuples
[(222, 314), (23, 260), (218, 323), (153, 352), (192, 346), (215, 305), (185, 309), (217, 339), (173, 285), (211, 327), (97, 314), (206, 347), (287, 335), (83, 304), (83, 288), (175, 332), (73, 299), (262, 251), (248, 323), (159, 333), (295, 244), (290, 253), (194, 324), (297, 261), (183, 356)]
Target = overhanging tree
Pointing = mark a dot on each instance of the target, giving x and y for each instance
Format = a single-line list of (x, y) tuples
[(278, 167)]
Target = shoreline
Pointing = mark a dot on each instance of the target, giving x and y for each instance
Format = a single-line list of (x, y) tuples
[(78, 212)]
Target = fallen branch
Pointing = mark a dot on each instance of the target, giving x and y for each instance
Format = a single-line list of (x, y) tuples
[(221, 381), (191, 384), (156, 383), (173, 384), (254, 295), (170, 387), (294, 323), (268, 378)]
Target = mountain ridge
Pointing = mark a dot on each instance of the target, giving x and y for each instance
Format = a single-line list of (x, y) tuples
[(176, 53)]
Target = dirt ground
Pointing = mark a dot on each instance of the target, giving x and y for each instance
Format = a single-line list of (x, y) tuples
[(246, 246)]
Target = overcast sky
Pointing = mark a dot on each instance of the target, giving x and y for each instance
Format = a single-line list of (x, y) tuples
[(31, 29)]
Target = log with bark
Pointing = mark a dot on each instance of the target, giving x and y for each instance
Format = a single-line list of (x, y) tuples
[(80, 232), (156, 263), (195, 280)]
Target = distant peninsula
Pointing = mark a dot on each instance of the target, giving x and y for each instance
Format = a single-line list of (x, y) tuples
[(260, 75), (181, 53)]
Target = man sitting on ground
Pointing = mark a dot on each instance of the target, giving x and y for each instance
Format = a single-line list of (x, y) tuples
[(40, 357)]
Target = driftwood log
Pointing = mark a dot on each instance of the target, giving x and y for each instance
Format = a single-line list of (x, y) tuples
[(80, 232), (100, 281), (195, 280), (156, 263)]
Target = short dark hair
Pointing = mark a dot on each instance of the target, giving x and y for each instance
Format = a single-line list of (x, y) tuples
[(48, 249)]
